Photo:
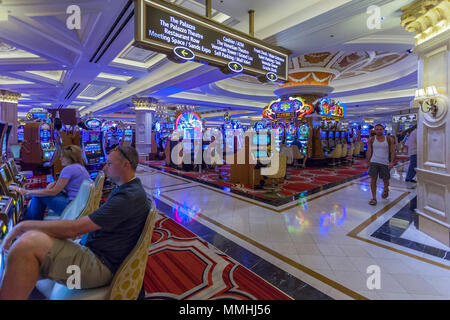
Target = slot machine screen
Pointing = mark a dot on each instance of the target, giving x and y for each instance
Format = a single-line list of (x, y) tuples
[(188, 133), (260, 154), (330, 134), (365, 132), (94, 136), (20, 134), (261, 139), (365, 140), (323, 134)]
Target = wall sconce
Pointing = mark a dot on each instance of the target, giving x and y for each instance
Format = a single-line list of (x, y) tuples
[(428, 100)]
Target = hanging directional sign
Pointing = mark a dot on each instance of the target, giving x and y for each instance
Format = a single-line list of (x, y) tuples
[(184, 53), (235, 66), (161, 26)]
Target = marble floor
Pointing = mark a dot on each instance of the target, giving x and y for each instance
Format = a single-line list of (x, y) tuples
[(326, 240)]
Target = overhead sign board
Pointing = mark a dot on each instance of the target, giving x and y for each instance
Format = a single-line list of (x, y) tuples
[(161, 26), (410, 117)]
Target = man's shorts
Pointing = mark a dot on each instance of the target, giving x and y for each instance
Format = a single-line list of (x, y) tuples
[(379, 170), (64, 253)]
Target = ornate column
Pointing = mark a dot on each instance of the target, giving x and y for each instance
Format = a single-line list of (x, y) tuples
[(145, 108), (8, 112), (430, 21)]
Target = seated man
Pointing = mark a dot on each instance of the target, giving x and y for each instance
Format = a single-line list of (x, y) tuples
[(43, 248)]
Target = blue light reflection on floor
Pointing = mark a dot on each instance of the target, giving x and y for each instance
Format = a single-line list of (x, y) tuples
[(184, 213), (336, 217)]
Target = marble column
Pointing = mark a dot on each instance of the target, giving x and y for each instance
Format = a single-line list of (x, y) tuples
[(430, 21), (8, 112), (145, 109)]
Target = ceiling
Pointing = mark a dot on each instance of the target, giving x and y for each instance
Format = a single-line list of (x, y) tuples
[(96, 69)]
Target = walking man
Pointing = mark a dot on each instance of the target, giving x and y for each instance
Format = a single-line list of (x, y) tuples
[(380, 160), (412, 153)]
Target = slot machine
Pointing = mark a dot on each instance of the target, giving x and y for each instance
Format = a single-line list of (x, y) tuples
[(5, 141), (261, 144), (229, 137), (190, 126), (127, 137), (290, 134), (303, 137), (6, 182), (113, 135), (365, 134), (92, 142), (279, 135), (324, 139), (20, 136), (47, 143), (331, 141)]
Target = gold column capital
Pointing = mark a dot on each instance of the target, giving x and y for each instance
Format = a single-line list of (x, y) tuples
[(426, 18), (144, 103), (9, 96)]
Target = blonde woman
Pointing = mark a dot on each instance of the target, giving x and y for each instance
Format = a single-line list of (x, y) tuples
[(58, 194)]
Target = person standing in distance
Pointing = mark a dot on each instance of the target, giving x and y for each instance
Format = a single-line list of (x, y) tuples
[(412, 153), (380, 160)]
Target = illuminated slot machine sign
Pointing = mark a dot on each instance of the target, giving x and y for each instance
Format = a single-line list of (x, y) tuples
[(38, 113), (292, 108), (47, 144), (330, 108)]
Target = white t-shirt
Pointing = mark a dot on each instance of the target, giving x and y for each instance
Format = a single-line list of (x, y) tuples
[(412, 143), (380, 152)]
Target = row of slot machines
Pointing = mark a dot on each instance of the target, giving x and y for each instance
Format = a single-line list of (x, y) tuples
[(288, 134), (39, 144), (331, 138), (11, 203), (97, 141)]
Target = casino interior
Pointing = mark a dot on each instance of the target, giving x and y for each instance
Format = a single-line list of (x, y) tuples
[(252, 121)]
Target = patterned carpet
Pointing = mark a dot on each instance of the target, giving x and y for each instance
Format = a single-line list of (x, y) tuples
[(298, 180), (182, 266)]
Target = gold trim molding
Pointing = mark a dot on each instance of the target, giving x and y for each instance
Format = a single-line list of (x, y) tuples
[(426, 18), (9, 96)]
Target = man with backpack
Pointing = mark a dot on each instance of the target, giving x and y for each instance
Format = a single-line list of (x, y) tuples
[(380, 159)]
